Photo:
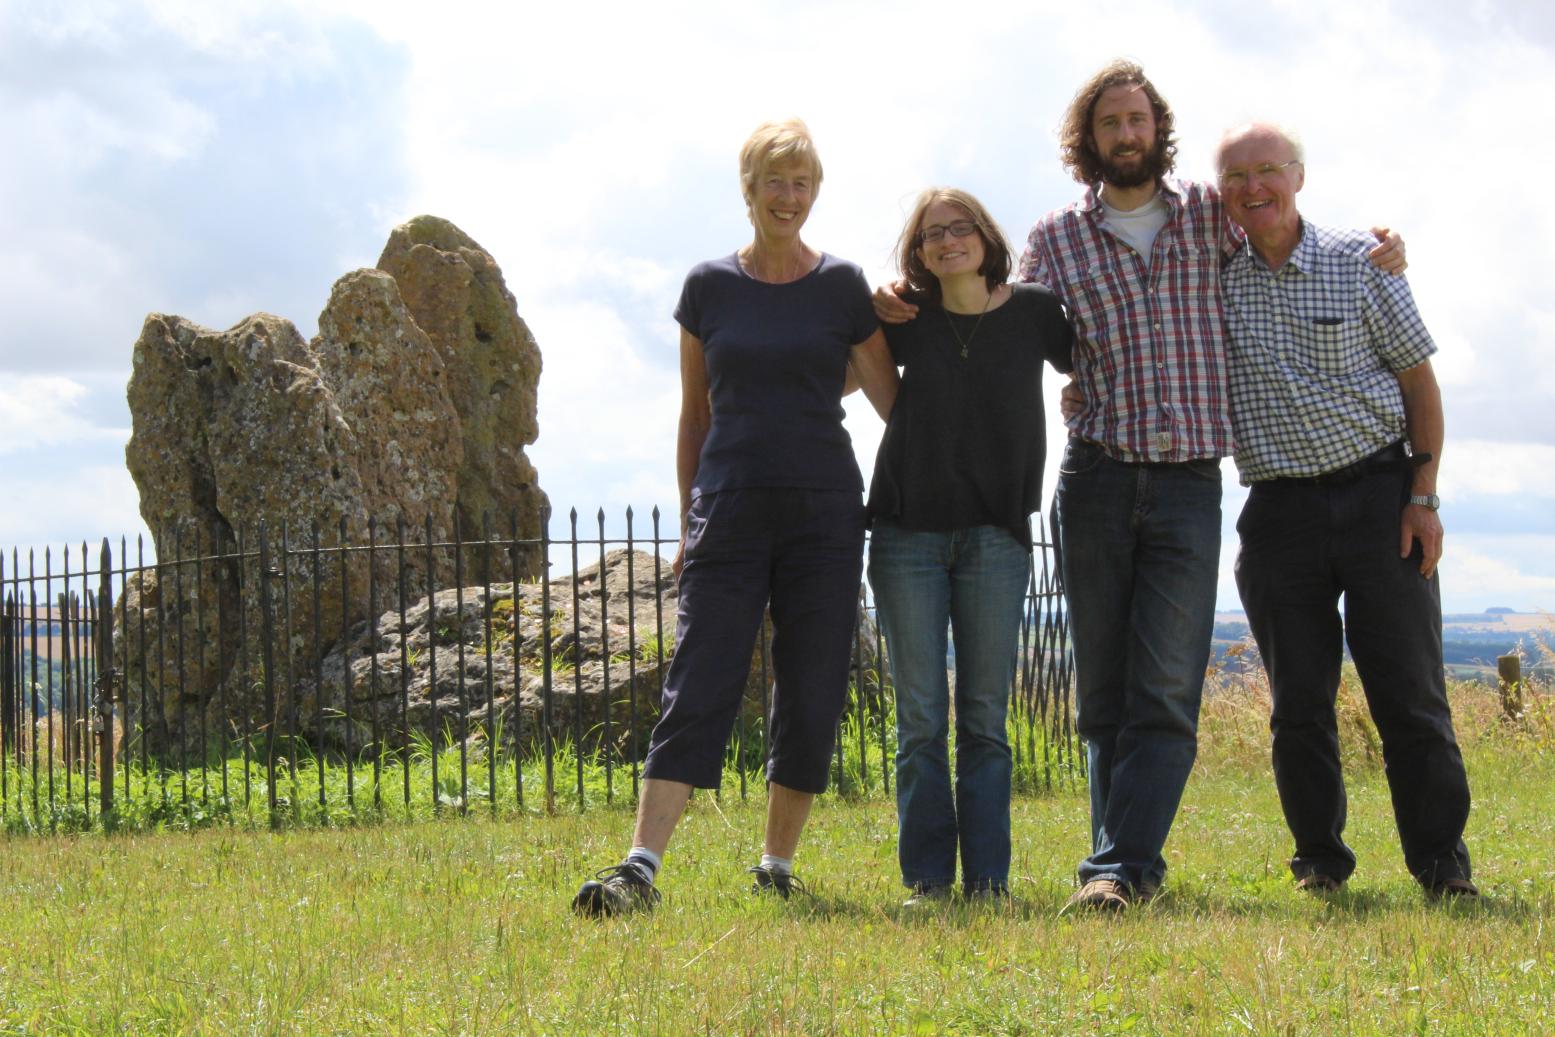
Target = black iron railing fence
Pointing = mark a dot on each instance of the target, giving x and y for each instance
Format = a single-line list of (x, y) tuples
[(271, 674)]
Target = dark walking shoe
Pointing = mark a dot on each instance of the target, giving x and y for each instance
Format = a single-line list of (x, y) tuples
[(1452, 891), (619, 890), (1104, 896), (768, 881)]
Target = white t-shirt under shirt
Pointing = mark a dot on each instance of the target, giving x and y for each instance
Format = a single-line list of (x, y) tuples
[(1139, 226)]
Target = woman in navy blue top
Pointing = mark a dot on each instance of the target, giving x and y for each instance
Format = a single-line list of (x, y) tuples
[(958, 475), (770, 515)]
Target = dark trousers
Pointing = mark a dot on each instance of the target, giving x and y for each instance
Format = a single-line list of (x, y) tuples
[(802, 550), (1304, 545)]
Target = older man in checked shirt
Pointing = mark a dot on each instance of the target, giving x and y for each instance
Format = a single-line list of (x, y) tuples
[(1338, 424)]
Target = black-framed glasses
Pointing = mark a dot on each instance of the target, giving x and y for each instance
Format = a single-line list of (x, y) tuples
[(1237, 178), (955, 228)]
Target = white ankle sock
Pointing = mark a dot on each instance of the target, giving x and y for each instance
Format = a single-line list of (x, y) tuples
[(777, 865), (645, 859)]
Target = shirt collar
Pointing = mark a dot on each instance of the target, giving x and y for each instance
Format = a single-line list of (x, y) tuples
[(1305, 256), (1303, 259), (1170, 191)]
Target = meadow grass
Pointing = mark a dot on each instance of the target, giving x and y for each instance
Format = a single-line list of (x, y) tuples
[(461, 925)]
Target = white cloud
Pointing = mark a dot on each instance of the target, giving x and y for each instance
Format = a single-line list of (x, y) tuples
[(1480, 572), (40, 411), (51, 512), (1496, 469)]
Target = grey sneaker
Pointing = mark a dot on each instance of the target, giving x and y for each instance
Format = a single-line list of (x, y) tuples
[(765, 880), (928, 898), (617, 890)]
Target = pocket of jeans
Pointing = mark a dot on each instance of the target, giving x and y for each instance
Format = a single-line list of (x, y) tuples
[(1080, 456), (697, 516)]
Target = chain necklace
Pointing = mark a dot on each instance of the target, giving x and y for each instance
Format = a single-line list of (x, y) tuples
[(966, 343)]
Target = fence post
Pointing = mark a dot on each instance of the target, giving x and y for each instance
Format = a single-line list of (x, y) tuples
[(107, 677), (1509, 671)]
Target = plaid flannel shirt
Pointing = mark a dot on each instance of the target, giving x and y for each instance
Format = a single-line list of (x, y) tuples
[(1150, 338), (1313, 350)]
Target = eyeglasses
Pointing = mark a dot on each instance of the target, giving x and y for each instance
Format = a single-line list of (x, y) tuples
[(1238, 178), (956, 229)]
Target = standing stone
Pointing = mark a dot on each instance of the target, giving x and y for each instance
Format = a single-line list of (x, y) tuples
[(416, 396), (456, 293)]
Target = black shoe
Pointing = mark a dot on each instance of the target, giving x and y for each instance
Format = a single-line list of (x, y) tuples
[(1447, 890), (616, 891), (781, 883)]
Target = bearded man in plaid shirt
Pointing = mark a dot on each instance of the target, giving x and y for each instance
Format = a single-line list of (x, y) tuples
[(1338, 423)]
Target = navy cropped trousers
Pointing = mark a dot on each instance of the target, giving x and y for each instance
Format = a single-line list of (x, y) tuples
[(802, 551)]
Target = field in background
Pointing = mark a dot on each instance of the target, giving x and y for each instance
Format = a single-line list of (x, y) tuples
[(1471, 641), (462, 927)]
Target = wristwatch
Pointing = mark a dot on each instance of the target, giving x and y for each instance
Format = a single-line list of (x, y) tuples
[(1426, 500)]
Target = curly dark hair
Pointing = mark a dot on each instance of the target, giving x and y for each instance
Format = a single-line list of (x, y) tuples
[(1074, 135), (922, 284)]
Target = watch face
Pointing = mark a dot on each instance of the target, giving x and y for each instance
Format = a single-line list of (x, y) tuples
[(1429, 500)]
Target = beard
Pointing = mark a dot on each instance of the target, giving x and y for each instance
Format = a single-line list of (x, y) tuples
[(1146, 168)]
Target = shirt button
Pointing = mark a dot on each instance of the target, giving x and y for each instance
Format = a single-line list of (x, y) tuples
[(1163, 441)]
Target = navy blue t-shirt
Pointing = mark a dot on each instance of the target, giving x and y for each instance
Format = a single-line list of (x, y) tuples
[(776, 356)]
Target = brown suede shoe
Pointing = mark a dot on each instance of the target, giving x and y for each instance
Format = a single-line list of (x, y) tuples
[(1319, 884), (1100, 895)]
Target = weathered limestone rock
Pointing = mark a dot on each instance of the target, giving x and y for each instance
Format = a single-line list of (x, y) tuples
[(606, 653), (456, 293), (458, 680), (365, 423)]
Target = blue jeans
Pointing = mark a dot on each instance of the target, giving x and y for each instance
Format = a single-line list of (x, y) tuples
[(1139, 546), (974, 581)]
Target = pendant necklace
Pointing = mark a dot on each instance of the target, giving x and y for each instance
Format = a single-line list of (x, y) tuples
[(965, 343)]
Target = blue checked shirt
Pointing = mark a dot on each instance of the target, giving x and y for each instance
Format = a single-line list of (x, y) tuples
[(1313, 348)]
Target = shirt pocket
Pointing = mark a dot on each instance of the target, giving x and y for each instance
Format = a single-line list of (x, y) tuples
[(1196, 267), (1328, 335), (1104, 310)]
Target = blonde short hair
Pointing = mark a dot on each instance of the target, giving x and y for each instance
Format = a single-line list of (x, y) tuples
[(786, 140)]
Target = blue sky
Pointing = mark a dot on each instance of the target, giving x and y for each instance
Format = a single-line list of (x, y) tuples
[(212, 160)]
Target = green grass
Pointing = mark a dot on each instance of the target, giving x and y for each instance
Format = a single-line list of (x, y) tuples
[(460, 925), (405, 786)]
